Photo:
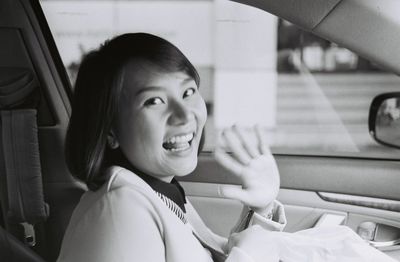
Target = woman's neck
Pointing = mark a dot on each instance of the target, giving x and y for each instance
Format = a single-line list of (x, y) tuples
[(118, 158)]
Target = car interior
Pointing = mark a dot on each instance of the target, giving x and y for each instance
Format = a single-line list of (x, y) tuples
[(38, 194)]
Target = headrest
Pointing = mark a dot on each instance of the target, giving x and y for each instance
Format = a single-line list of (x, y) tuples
[(16, 85)]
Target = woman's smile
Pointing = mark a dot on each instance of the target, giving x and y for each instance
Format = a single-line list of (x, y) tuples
[(179, 143)]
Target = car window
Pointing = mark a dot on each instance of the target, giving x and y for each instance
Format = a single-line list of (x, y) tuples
[(310, 96)]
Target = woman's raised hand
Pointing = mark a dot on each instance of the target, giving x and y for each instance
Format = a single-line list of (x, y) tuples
[(252, 163)]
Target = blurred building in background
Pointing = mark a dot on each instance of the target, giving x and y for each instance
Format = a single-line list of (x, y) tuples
[(317, 54)]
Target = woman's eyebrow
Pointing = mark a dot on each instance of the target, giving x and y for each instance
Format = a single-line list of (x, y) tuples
[(159, 88), (149, 89), (187, 80)]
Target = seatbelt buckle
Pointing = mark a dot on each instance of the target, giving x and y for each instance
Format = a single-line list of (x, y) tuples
[(29, 234)]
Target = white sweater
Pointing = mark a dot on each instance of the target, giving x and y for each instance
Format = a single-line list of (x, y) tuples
[(125, 220)]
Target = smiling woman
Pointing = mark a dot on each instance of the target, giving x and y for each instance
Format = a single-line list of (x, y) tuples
[(136, 124), (155, 95)]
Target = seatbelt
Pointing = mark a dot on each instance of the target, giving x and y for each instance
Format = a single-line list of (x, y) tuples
[(216, 252), (21, 189), (20, 152), (201, 232)]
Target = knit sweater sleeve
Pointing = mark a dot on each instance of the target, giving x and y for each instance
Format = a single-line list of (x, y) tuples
[(273, 219), (249, 240)]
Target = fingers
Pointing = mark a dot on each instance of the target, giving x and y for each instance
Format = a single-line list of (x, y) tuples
[(242, 144), (228, 162), (262, 141), (246, 142), (245, 148), (233, 141)]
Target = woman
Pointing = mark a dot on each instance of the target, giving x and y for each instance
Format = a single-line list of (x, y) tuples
[(136, 124)]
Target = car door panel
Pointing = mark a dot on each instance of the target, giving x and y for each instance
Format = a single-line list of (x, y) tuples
[(303, 208), (359, 189), (354, 176), (221, 214)]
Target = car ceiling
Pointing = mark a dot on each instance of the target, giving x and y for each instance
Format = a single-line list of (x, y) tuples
[(370, 28)]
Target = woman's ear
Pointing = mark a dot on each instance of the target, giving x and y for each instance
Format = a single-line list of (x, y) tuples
[(112, 141)]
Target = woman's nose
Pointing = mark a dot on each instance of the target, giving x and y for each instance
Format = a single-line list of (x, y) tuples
[(180, 114)]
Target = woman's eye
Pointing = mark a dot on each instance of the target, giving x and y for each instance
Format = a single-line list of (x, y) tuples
[(189, 92), (153, 101)]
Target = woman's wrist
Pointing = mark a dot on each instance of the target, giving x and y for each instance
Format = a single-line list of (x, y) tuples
[(266, 212)]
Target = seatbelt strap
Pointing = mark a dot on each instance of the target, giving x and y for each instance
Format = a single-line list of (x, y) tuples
[(217, 255), (23, 171), (201, 232), (216, 252)]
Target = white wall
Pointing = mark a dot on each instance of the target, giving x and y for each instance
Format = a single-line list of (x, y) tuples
[(245, 66)]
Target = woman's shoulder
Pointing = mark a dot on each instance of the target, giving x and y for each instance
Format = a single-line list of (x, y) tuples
[(111, 217), (122, 183), (122, 187), (120, 177)]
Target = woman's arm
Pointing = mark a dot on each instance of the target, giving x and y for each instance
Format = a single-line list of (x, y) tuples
[(272, 219), (253, 163)]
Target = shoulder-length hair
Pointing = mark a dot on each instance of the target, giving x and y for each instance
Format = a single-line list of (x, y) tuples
[(97, 92)]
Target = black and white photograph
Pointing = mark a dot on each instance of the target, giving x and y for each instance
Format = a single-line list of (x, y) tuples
[(199, 130)]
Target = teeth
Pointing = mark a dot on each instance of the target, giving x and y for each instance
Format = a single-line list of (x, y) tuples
[(180, 139), (186, 146), (178, 143)]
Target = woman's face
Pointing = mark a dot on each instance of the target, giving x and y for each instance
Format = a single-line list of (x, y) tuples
[(160, 120)]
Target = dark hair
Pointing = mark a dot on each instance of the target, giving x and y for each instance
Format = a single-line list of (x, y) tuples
[(97, 91)]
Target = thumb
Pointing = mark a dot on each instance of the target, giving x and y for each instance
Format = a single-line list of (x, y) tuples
[(233, 192)]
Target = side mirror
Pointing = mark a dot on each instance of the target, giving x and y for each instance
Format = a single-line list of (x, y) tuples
[(384, 119)]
